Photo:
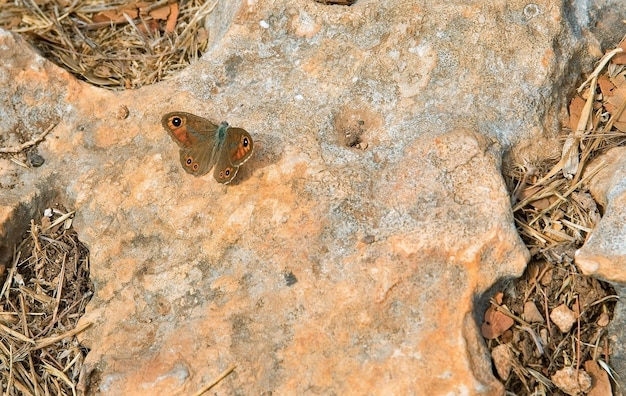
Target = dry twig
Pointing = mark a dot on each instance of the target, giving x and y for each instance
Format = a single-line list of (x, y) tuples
[(24, 146), (220, 377)]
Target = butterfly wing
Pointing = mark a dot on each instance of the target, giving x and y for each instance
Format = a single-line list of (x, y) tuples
[(187, 129), (196, 137), (235, 150), (198, 159)]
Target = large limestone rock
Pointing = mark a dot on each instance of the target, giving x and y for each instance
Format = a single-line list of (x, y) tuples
[(604, 254), (324, 268)]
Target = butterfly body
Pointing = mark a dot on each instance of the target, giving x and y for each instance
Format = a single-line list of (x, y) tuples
[(204, 145)]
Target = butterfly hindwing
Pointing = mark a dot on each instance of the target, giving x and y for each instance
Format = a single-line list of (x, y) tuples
[(197, 160)]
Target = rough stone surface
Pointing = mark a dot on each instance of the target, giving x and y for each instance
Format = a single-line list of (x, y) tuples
[(389, 245), (572, 381), (563, 317), (604, 253)]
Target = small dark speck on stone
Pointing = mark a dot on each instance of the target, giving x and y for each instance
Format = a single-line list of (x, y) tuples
[(367, 239), (290, 278)]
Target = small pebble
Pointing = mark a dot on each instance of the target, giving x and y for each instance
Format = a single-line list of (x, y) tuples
[(572, 381), (532, 314), (36, 160), (367, 239), (502, 359), (122, 112), (563, 317)]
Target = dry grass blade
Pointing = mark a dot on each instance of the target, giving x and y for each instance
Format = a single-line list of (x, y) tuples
[(609, 370), (61, 219), (570, 155), (9, 363), (60, 375), (45, 291), (116, 45), (24, 146), (51, 340), (541, 378), (563, 197), (9, 279), (16, 334), (220, 377), (599, 69)]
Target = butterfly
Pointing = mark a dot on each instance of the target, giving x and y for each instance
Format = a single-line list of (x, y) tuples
[(204, 145)]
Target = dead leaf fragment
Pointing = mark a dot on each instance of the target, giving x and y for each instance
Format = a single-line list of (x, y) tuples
[(620, 59), (171, 20), (160, 13), (575, 109), (601, 385), (117, 15), (615, 99), (606, 86), (495, 323)]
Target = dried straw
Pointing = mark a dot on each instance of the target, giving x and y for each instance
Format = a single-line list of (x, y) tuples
[(554, 214), (42, 298), (114, 45)]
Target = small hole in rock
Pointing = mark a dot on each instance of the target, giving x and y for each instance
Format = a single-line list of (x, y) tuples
[(352, 135)]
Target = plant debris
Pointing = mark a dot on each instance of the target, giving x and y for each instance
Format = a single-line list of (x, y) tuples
[(42, 298), (216, 381), (30, 143), (547, 331), (114, 45)]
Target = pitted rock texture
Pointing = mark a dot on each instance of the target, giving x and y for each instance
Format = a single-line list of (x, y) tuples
[(604, 254), (326, 267)]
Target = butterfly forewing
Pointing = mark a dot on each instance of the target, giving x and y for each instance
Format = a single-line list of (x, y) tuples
[(236, 150), (188, 130), (239, 145)]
